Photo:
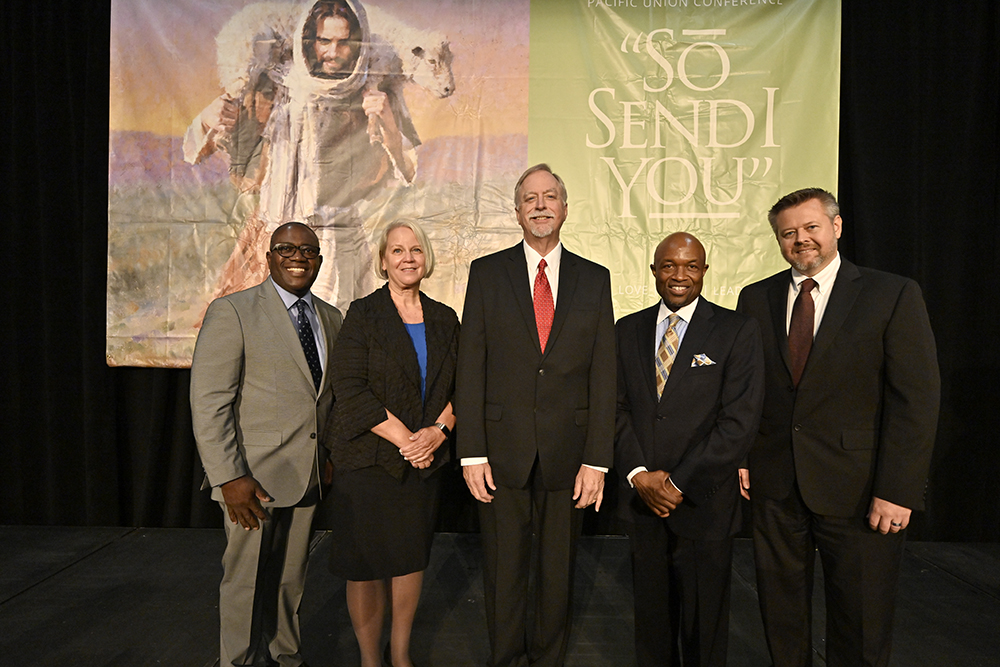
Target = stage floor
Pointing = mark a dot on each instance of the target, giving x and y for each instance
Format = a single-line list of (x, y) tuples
[(131, 597)]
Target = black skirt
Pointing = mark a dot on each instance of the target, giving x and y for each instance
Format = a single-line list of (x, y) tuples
[(382, 528)]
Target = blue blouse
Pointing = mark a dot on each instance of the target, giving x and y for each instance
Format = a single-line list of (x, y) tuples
[(419, 337)]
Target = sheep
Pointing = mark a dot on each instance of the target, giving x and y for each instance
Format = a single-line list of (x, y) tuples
[(425, 56), (255, 39)]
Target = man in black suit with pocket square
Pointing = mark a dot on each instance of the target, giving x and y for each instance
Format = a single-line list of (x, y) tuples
[(690, 389), (535, 403), (844, 446)]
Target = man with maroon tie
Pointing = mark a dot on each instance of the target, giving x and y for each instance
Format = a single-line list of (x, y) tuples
[(844, 445)]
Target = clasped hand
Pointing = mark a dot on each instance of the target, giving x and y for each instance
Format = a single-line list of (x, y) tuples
[(657, 491), (376, 106), (420, 448)]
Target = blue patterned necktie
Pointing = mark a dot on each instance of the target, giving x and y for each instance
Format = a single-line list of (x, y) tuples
[(666, 352), (308, 342)]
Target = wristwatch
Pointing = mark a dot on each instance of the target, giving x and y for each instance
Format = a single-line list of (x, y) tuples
[(444, 429)]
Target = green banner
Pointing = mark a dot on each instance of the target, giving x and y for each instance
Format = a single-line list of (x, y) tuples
[(683, 115)]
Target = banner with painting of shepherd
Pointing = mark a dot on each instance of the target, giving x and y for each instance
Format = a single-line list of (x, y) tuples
[(230, 117)]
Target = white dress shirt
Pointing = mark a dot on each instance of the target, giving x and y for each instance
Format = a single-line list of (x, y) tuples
[(289, 300), (820, 294), (552, 261)]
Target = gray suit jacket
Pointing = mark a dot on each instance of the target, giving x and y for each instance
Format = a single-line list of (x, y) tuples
[(254, 407)]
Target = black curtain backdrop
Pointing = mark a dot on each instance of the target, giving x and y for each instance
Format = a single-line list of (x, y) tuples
[(84, 444)]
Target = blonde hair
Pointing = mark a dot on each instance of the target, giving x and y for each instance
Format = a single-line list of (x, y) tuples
[(422, 240)]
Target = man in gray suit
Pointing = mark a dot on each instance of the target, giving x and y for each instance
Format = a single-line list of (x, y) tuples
[(259, 399)]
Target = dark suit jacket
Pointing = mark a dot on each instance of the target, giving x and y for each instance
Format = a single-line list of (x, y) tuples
[(254, 407), (863, 419), (374, 368), (703, 425), (514, 403)]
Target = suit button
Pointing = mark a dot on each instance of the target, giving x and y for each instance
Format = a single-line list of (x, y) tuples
[(659, 417), (541, 371), (312, 436), (797, 427)]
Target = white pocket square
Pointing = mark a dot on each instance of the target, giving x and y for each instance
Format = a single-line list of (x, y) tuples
[(701, 360)]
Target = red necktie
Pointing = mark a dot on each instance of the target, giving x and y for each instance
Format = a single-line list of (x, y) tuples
[(544, 308), (800, 331)]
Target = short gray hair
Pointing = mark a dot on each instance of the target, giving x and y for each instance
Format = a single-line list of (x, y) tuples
[(422, 240), (531, 170)]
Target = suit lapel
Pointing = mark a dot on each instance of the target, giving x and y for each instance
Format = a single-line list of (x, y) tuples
[(325, 316), (777, 297), (517, 271), (391, 333), (697, 333), (438, 339), (274, 309), (646, 344), (569, 273), (845, 293)]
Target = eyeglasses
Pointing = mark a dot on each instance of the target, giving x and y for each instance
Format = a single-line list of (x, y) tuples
[(288, 250)]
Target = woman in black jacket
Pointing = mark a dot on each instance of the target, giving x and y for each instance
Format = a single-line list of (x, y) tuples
[(393, 375)]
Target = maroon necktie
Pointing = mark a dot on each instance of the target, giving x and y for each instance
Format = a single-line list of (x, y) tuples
[(544, 308), (800, 331)]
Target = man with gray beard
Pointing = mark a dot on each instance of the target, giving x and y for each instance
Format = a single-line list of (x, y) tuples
[(535, 400)]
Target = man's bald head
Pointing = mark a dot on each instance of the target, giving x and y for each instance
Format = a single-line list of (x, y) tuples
[(679, 269)]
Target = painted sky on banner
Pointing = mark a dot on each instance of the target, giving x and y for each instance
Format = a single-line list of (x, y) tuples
[(555, 89)]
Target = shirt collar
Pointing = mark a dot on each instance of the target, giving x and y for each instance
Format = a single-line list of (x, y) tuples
[(289, 299), (552, 259), (686, 313), (823, 279)]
